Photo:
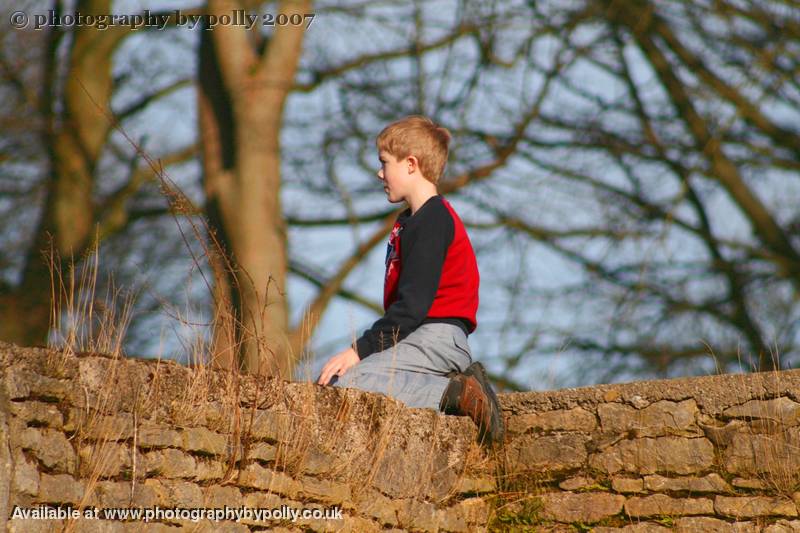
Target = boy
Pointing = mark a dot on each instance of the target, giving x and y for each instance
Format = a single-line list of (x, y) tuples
[(418, 351)]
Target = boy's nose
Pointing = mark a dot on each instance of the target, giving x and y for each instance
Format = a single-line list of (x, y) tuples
[(380, 174)]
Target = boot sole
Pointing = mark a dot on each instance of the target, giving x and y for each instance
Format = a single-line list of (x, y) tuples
[(496, 429)]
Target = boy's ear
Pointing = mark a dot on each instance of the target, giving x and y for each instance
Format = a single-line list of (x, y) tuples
[(413, 164)]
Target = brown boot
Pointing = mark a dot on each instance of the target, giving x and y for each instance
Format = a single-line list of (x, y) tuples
[(470, 394)]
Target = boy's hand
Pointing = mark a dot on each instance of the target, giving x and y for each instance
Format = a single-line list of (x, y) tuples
[(338, 365)]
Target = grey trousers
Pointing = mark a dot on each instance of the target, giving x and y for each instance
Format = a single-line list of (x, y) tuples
[(413, 370)]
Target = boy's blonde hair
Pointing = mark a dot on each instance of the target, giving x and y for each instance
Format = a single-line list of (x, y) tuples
[(418, 136)]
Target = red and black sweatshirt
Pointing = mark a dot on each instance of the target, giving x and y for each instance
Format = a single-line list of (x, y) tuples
[(431, 276)]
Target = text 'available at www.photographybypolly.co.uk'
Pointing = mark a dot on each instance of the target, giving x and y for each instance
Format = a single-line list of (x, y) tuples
[(194, 514)]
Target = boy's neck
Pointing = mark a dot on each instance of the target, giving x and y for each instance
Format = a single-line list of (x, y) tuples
[(421, 195)]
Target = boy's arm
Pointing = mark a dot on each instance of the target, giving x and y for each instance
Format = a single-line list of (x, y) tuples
[(423, 247)]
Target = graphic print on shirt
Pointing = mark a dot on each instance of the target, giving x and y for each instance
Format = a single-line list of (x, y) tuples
[(392, 266)]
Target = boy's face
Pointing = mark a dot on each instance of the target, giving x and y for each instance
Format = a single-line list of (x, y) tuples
[(396, 176)]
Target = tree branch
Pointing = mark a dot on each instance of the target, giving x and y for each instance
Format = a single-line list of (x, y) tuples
[(321, 76), (334, 284), (146, 100), (721, 167), (319, 281), (113, 214)]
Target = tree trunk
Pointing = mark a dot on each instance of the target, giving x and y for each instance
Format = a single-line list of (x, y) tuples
[(242, 95), (73, 141)]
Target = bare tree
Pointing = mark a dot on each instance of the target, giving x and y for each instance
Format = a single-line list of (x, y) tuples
[(68, 179), (628, 172), (245, 78)]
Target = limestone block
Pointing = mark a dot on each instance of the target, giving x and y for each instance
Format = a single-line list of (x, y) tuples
[(575, 419), (38, 413), (783, 526), (641, 527), (202, 440), (106, 459), (658, 419), (765, 425), (577, 483), (207, 526), (415, 472), (175, 493), (111, 494), (550, 452), (217, 415), (750, 454), (257, 477), (271, 426), (121, 494), (475, 485), (415, 514), (650, 455), (782, 410), (709, 483), (75, 419), (351, 524), (587, 507), (60, 489), (50, 447), (209, 469), (375, 505), (101, 427), (317, 462), (627, 485), (452, 520), (325, 491), (22, 525), (663, 505), (218, 496), (25, 479), (748, 483), (20, 383), (263, 451), (754, 506), (722, 435), (467, 515), (475, 510), (705, 524), (169, 463), (157, 436), (264, 500)]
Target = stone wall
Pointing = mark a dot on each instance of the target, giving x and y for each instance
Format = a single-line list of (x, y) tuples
[(91, 431), (88, 431), (715, 453)]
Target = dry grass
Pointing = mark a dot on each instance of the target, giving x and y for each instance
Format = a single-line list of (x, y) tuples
[(82, 322), (774, 437)]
